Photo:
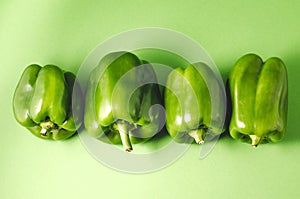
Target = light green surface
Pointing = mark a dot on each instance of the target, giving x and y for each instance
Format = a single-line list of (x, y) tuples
[(64, 32)]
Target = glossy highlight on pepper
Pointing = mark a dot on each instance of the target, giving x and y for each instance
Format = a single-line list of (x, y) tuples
[(48, 102), (121, 93), (259, 95), (195, 104)]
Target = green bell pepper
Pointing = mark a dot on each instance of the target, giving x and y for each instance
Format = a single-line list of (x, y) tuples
[(259, 94), (121, 92), (43, 102), (190, 95)]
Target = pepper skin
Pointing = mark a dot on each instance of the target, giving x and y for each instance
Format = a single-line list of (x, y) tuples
[(114, 113), (259, 94), (43, 102), (189, 97)]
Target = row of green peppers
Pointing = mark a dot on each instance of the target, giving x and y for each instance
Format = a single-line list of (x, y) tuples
[(122, 93)]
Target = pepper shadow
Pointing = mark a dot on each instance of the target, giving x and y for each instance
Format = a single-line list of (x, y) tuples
[(292, 64)]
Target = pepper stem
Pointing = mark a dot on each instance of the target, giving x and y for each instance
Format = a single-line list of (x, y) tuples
[(255, 140), (124, 134), (46, 126), (198, 135)]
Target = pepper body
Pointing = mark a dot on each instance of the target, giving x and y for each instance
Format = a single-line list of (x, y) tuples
[(122, 92), (47, 101), (259, 94), (195, 104)]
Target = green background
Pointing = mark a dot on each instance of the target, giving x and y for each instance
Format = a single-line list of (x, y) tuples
[(63, 32)]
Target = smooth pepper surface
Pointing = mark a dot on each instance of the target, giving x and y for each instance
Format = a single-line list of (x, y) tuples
[(47, 101), (122, 91), (259, 95), (195, 104)]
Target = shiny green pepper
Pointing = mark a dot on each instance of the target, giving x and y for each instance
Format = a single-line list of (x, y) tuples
[(121, 92), (259, 94), (43, 102), (195, 104)]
